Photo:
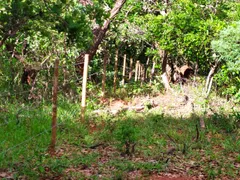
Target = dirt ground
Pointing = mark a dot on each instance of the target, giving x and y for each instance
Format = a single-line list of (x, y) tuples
[(177, 103)]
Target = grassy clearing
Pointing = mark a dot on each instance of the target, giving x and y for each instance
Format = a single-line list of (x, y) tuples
[(130, 145), (126, 145)]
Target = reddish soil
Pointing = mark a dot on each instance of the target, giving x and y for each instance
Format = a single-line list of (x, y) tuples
[(173, 177)]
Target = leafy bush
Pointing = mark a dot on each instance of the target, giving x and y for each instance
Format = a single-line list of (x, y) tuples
[(127, 133), (228, 49)]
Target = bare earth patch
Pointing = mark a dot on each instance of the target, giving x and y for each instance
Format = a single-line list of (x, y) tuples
[(176, 104)]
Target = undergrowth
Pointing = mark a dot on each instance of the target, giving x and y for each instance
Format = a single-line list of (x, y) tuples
[(112, 147)]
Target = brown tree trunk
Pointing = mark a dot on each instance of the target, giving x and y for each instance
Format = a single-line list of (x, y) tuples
[(124, 68), (105, 59), (131, 65), (99, 34), (210, 78), (139, 71), (152, 72), (115, 72), (163, 55), (146, 69)]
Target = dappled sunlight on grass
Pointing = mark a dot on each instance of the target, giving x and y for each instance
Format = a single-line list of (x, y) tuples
[(128, 144)]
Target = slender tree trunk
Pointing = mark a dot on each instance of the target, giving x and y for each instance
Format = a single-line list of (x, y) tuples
[(209, 87), (115, 72), (163, 55), (139, 71), (164, 71), (105, 59), (99, 34), (131, 65), (142, 74), (146, 69), (136, 71), (210, 78), (152, 72)]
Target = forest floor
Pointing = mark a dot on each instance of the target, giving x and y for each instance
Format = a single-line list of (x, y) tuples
[(178, 104), (158, 136), (181, 105)]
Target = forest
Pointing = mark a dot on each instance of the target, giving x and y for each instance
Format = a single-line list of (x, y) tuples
[(120, 89)]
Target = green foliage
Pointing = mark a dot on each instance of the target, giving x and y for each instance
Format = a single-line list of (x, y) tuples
[(61, 29), (127, 133), (186, 31), (40, 32), (227, 47)]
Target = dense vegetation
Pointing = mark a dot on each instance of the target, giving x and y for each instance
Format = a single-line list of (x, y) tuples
[(162, 133)]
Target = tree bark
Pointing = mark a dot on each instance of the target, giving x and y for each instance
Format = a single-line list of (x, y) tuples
[(142, 74), (115, 72), (105, 59), (131, 65), (99, 34), (136, 70), (210, 78), (163, 55), (146, 69), (152, 72), (139, 71)]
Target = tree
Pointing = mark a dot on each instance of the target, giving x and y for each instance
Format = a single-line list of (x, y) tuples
[(99, 33), (227, 47), (34, 32)]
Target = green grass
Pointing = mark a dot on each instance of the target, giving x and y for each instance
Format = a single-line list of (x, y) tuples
[(26, 131)]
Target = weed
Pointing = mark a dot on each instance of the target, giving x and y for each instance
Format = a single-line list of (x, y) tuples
[(127, 133)]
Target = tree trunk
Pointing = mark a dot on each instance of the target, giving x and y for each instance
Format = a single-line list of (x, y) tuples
[(99, 34), (131, 65), (139, 71), (210, 78), (115, 72), (124, 68), (146, 69), (105, 58), (142, 74), (136, 70), (163, 55), (152, 72)]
